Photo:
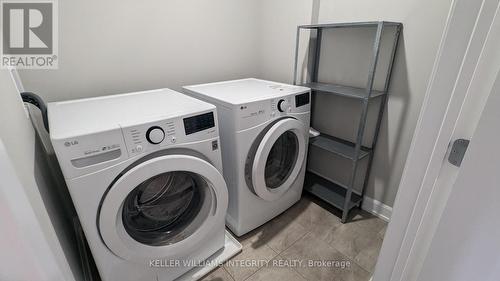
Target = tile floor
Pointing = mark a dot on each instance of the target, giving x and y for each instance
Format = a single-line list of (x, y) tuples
[(309, 232)]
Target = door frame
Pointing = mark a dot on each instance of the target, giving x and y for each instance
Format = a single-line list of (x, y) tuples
[(453, 103)]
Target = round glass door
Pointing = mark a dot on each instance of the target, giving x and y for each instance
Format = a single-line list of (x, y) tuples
[(281, 160), (278, 159), (161, 207), (159, 210)]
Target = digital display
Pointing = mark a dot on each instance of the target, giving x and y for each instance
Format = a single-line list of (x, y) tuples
[(301, 100), (198, 123)]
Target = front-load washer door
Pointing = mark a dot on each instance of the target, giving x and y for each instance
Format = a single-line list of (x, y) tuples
[(278, 159), (162, 207)]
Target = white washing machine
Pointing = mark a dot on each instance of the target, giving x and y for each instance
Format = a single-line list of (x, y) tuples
[(264, 139), (144, 172)]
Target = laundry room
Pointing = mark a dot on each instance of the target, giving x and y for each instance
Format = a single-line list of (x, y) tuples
[(234, 140)]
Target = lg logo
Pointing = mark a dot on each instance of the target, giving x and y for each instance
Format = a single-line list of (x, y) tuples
[(29, 39), (70, 143)]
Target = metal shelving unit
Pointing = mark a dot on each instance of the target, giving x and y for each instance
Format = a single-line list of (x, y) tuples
[(339, 195)]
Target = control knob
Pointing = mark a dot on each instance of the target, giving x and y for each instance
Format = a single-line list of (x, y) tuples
[(282, 105), (155, 135)]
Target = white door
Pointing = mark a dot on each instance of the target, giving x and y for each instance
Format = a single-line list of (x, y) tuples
[(464, 75), (276, 159), (162, 207), (466, 244)]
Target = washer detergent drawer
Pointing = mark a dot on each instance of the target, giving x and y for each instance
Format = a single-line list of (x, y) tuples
[(96, 159), (82, 155)]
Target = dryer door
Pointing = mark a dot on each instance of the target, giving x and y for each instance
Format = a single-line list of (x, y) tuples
[(162, 207), (278, 159)]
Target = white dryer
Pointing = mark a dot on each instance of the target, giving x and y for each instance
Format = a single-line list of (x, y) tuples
[(264, 139), (144, 172)]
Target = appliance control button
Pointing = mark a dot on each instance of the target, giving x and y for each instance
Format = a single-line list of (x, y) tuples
[(138, 148), (155, 135), (282, 105), (173, 139)]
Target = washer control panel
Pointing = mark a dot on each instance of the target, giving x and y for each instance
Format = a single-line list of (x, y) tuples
[(156, 135)]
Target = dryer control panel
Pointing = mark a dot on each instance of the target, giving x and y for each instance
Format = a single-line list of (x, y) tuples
[(281, 105), (256, 113)]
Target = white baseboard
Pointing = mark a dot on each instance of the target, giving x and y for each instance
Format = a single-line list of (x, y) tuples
[(377, 208)]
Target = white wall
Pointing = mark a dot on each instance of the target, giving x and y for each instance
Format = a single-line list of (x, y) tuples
[(423, 22), (277, 22), (117, 46)]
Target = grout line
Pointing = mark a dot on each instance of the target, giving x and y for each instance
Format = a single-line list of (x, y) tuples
[(260, 268), (274, 256), (253, 273), (300, 274), (302, 236), (277, 254), (367, 270), (352, 259), (230, 276), (307, 232)]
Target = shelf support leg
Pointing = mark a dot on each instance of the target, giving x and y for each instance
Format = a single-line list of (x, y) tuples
[(317, 53), (382, 108), (362, 122), (295, 67)]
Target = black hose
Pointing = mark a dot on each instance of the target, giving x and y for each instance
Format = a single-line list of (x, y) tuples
[(37, 101)]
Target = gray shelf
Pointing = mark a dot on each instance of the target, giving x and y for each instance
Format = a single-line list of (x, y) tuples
[(312, 171), (344, 196), (351, 24), (337, 146), (330, 192), (340, 90)]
